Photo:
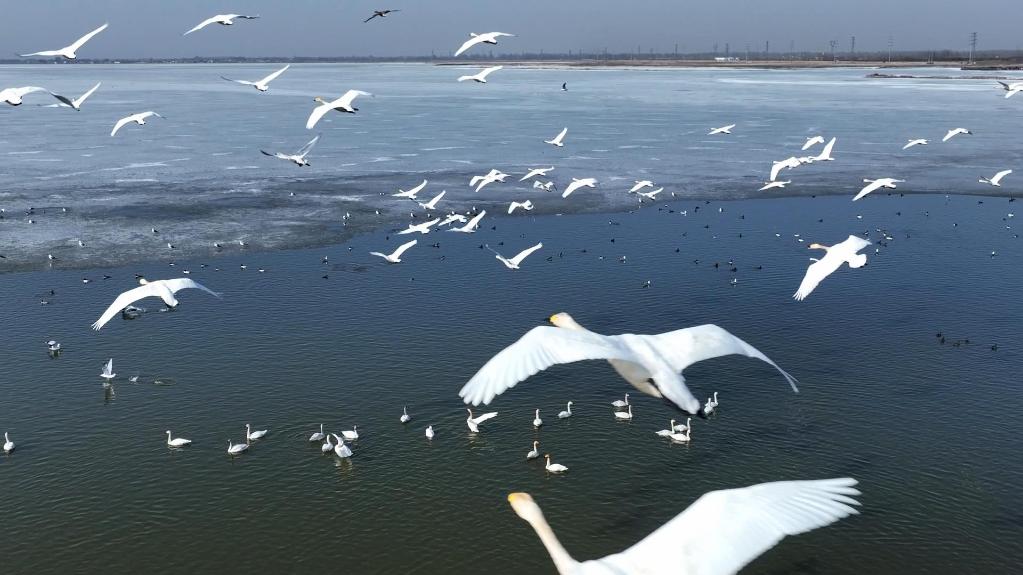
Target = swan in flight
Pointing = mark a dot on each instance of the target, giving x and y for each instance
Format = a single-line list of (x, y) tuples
[(77, 102), (14, 96), (640, 184), (318, 436), (955, 132), (619, 403), (108, 370), (722, 130), (651, 194), (699, 540), (411, 194), (261, 85), (1011, 89), (164, 289), (650, 363), (567, 413), (405, 417), (488, 38), (825, 155), (222, 19), (139, 119), (298, 158), (536, 172), (513, 263), (526, 205), (254, 435), (789, 163), (811, 142), (432, 204), (69, 52), (471, 225), (451, 219), (775, 184), (342, 104), (395, 258), (547, 187), (579, 183), (558, 140), (340, 449), (8, 444), (429, 432), (537, 422), (474, 422), (491, 177), (481, 76), (874, 185), (423, 228), (916, 142), (233, 449), (833, 259), (554, 467), (996, 180), (379, 14), (535, 452), (177, 441)]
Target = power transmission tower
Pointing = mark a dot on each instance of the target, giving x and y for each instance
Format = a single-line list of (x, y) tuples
[(852, 47), (767, 49), (973, 46), (833, 43), (891, 44)]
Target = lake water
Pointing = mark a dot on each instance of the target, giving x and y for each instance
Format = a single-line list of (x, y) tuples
[(929, 429)]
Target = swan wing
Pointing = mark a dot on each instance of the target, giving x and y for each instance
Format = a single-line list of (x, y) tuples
[(120, 124), (81, 99), (998, 177), (81, 41), (43, 53), (178, 284), (480, 419), (308, 147), (316, 114), (124, 300), (537, 350), (872, 186), (205, 23), (487, 71), (525, 253), (403, 248), (244, 82), (273, 76), (816, 273), (348, 97), (722, 531), (469, 44)]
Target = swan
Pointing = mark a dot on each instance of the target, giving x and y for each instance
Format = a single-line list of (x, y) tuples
[(319, 435), (351, 435), (411, 194), (685, 436), (489, 178), (874, 185), (1011, 89), (379, 14), (327, 447), (177, 441), (917, 142), (708, 408), (298, 157), (429, 432), (681, 427), (722, 130), (554, 467), (340, 449), (835, 256), (342, 104), (716, 399), (579, 183), (69, 52), (513, 263), (452, 218), (8, 444), (77, 102), (481, 76), (567, 413), (262, 85), (423, 228), (488, 38), (640, 184), (164, 289), (236, 449), (666, 432), (222, 19), (623, 414), (432, 204), (108, 370), (405, 417), (650, 363), (535, 452), (474, 422), (395, 258), (254, 435), (775, 184), (139, 119), (536, 172), (619, 403), (651, 194), (721, 532), (558, 140), (789, 163), (471, 225), (53, 345), (526, 205), (547, 187), (15, 96), (825, 155), (813, 141), (996, 180), (955, 132), (537, 422)]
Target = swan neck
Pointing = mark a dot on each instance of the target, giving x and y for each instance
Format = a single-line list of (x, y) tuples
[(562, 560)]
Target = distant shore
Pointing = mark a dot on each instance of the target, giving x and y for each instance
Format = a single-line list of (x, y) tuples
[(680, 63)]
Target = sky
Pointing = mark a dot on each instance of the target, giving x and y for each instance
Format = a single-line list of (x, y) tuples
[(153, 28)]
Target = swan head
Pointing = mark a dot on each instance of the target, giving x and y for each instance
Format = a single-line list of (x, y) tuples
[(142, 281), (525, 507), (563, 320), (816, 247), (319, 100)]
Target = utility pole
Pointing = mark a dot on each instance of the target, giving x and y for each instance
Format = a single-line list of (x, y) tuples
[(833, 43), (852, 47), (891, 44), (676, 49), (715, 48), (728, 50), (767, 49), (973, 46), (747, 52)]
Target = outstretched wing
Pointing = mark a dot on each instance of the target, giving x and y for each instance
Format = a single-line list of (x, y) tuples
[(317, 113), (120, 124), (178, 284), (348, 97), (403, 248), (872, 186), (488, 71), (124, 300), (273, 76), (815, 274), (245, 82), (81, 99), (468, 44), (203, 24), (308, 147), (81, 41), (484, 417), (525, 253)]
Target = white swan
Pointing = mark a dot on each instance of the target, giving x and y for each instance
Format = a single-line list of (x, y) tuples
[(812, 141), (775, 184), (395, 258), (716, 399), (579, 183), (640, 184), (996, 180), (474, 422), (488, 38), (722, 130), (254, 435), (701, 539), (163, 289), (298, 158), (481, 76), (471, 225), (77, 102), (651, 194), (526, 205), (263, 84), (567, 413), (537, 422), (650, 363), (916, 142), (236, 449), (8, 444), (411, 194), (619, 403), (340, 449), (955, 132), (536, 172), (554, 467), (666, 432), (429, 432), (319, 435), (681, 427), (327, 447), (513, 263), (535, 452), (222, 19), (493, 176), (623, 414), (432, 204), (685, 436), (405, 417), (838, 254), (874, 185), (825, 155), (15, 96), (139, 119), (1011, 89), (789, 163), (108, 370), (423, 228), (351, 435), (69, 52), (708, 408), (558, 140), (177, 441), (342, 104)]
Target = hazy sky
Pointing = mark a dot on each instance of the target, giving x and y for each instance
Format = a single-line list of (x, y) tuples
[(153, 28)]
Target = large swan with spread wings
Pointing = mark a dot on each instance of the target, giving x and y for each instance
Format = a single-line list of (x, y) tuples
[(163, 289)]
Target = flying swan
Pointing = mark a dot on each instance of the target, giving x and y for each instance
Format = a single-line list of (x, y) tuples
[(163, 289)]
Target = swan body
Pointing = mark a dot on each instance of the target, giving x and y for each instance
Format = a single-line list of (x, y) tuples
[(955, 132), (623, 414), (8, 444), (667, 432), (681, 427), (319, 435), (813, 141), (874, 185), (579, 183), (340, 449), (233, 449), (682, 437), (222, 19), (488, 38), (481, 76), (342, 104), (474, 422), (558, 140), (163, 289), (395, 257), (139, 119), (177, 441), (526, 205), (554, 467), (108, 370), (53, 345), (708, 408), (722, 130), (351, 435), (471, 225), (536, 172), (429, 432), (432, 204), (537, 422), (535, 452), (262, 84), (77, 102), (513, 263), (423, 228), (567, 413), (69, 52), (15, 96), (489, 178), (254, 435), (917, 142), (620, 403), (405, 417), (838, 254), (788, 163), (298, 158), (411, 194), (327, 446), (651, 194), (996, 180), (640, 184), (650, 363)]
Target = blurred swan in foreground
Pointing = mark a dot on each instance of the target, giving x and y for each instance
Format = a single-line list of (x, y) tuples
[(650, 363), (718, 534), (1011, 89), (838, 254), (163, 289), (69, 52)]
